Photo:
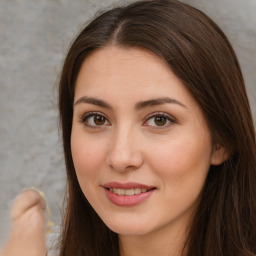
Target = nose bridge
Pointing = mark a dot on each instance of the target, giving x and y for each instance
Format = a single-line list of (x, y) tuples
[(124, 149)]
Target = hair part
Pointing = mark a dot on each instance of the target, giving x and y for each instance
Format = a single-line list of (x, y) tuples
[(201, 56)]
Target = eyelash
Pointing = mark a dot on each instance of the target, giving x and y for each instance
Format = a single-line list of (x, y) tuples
[(84, 119), (168, 119)]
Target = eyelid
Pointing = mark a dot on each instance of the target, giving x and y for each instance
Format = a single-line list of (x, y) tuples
[(85, 116), (170, 118)]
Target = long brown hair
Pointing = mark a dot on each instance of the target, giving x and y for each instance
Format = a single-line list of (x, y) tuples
[(199, 53)]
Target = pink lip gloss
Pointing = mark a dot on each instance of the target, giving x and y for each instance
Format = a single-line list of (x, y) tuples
[(127, 200)]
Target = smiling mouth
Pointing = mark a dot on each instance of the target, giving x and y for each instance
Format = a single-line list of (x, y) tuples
[(129, 192)]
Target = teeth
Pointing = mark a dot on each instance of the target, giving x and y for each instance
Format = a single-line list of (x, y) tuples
[(128, 192), (120, 191), (137, 191)]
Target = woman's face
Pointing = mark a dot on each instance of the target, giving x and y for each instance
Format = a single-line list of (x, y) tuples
[(140, 145)]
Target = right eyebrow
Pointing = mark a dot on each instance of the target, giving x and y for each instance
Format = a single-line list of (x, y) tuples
[(93, 101), (158, 101)]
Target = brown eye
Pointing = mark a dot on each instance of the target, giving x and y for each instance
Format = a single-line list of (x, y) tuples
[(99, 120), (94, 120), (160, 120)]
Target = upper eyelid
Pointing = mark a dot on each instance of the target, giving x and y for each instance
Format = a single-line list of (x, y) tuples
[(91, 113), (157, 113), (84, 119), (160, 114)]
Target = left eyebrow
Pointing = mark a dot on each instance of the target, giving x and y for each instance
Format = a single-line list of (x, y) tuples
[(93, 101), (158, 101)]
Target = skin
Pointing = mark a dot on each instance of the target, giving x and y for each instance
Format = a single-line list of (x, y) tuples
[(27, 236), (127, 144)]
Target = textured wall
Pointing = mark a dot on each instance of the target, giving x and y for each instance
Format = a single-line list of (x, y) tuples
[(34, 37), (238, 20)]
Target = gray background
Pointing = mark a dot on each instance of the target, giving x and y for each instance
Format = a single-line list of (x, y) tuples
[(34, 38)]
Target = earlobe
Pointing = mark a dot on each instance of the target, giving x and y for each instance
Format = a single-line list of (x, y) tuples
[(219, 155)]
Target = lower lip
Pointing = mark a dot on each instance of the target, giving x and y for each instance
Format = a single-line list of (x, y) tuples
[(128, 200)]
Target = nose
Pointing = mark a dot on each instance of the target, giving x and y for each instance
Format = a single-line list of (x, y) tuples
[(124, 151)]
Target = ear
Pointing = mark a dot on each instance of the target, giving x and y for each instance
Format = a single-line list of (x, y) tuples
[(219, 155)]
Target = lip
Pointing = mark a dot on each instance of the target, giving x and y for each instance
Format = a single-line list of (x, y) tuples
[(127, 185), (127, 201)]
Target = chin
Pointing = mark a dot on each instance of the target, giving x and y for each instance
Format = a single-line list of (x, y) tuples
[(129, 229)]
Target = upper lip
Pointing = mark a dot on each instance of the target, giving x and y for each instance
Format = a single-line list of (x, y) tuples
[(128, 185)]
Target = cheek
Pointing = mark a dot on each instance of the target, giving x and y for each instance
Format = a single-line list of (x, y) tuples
[(182, 162), (182, 168), (87, 158)]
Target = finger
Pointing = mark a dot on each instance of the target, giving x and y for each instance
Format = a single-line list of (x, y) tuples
[(26, 200)]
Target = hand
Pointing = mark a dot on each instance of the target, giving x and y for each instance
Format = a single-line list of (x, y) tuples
[(27, 237)]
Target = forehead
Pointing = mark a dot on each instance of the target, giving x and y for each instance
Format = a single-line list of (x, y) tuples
[(117, 74), (111, 61), (112, 65)]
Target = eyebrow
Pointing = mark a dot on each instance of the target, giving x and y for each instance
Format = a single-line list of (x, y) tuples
[(138, 106), (158, 101), (93, 101)]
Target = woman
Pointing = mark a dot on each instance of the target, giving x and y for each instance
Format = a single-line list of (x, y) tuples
[(106, 58), (158, 137)]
